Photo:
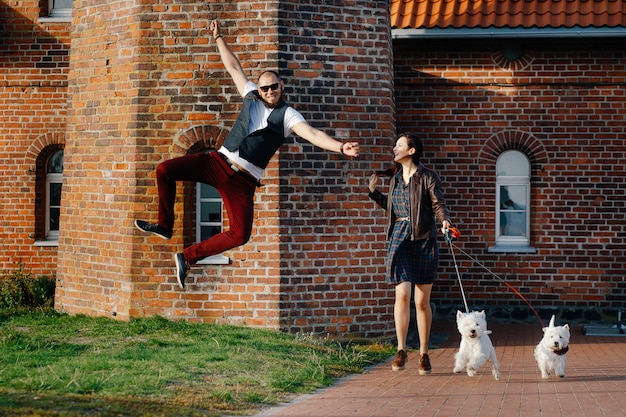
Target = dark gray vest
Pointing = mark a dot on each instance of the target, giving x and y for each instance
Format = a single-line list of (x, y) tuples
[(259, 146)]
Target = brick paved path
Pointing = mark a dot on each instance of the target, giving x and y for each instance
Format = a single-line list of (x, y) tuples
[(594, 385)]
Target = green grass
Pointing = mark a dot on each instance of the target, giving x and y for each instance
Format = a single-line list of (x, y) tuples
[(53, 364)]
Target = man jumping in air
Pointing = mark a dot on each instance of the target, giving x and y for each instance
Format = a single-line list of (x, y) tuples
[(235, 168)]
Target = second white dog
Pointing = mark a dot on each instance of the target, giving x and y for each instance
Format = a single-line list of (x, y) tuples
[(476, 347), (551, 350)]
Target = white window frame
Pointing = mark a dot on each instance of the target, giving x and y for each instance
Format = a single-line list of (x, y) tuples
[(521, 178), (218, 259), (55, 10), (52, 178), (58, 13)]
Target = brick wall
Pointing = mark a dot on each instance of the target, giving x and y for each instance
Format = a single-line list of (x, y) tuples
[(34, 58), (146, 84), (563, 103), (337, 59)]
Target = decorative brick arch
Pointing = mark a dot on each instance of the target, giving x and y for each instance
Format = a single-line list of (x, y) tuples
[(513, 139), (199, 138), (54, 140), (518, 64)]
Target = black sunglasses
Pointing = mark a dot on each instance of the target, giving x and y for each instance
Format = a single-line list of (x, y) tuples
[(274, 87)]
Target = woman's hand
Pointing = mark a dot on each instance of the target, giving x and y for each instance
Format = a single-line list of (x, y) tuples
[(373, 182), (445, 226)]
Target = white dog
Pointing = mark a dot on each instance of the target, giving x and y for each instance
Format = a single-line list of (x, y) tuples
[(551, 350), (476, 347)]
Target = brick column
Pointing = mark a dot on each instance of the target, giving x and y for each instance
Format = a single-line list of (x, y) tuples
[(105, 158)]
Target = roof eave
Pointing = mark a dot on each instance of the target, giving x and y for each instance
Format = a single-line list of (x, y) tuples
[(498, 33)]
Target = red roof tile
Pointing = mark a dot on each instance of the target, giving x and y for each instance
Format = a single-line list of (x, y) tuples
[(425, 14)]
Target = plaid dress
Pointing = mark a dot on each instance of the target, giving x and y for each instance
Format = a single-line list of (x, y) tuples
[(409, 260)]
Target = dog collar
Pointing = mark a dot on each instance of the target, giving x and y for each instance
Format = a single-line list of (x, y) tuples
[(562, 351)]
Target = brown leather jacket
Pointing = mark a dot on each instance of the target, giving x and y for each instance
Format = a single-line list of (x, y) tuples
[(427, 203)]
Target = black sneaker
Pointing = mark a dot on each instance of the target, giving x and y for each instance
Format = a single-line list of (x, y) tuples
[(182, 269), (155, 229)]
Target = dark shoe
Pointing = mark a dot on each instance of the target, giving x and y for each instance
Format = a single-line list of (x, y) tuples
[(155, 229), (399, 361), (425, 367), (182, 269)]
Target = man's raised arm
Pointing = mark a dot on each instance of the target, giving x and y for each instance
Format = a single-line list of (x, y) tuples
[(230, 61)]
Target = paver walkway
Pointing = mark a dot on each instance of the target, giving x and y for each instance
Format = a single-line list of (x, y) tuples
[(594, 385)]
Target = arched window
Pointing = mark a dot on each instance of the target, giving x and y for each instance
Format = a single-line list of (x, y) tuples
[(54, 180), (513, 201)]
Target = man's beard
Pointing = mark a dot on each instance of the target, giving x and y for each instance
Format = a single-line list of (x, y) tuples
[(269, 105)]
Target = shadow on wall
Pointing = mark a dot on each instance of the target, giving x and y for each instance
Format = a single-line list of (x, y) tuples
[(25, 44)]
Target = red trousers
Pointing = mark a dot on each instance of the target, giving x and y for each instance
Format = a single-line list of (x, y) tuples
[(237, 191)]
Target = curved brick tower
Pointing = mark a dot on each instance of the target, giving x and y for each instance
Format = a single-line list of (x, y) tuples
[(146, 85)]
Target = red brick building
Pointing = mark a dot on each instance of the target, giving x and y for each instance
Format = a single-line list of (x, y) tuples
[(527, 97), (123, 85)]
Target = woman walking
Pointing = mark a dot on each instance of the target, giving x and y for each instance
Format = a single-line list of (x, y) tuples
[(414, 203)]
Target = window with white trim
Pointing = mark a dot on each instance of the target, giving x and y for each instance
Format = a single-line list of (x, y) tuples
[(54, 181), (513, 200), (209, 218), (60, 8)]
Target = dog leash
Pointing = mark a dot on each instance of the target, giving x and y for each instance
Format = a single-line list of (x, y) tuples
[(453, 233)]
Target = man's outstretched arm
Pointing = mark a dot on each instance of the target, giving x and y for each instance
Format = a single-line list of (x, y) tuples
[(230, 61), (324, 141)]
